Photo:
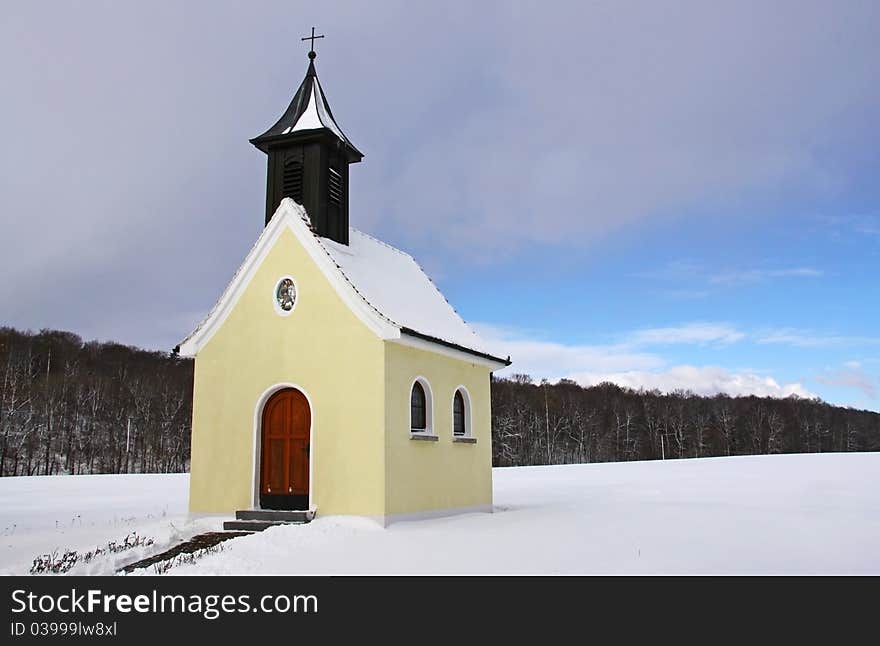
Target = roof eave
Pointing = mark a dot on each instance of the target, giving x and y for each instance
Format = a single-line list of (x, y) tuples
[(455, 346), (265, 141)]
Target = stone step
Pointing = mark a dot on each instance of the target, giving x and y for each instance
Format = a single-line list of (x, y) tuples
[(275, 515), (256, 520)]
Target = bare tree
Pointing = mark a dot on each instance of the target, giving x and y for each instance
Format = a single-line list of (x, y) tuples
[(564, 422)]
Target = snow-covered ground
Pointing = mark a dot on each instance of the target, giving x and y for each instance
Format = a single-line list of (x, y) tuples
[(45, 514), (746, 515)]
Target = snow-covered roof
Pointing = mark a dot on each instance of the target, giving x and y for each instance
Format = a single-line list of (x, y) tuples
[(393, 283), (316, 114), (382, 285), (308, 111)]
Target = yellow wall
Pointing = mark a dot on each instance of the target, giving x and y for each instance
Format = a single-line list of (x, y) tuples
[(426, 476), (322, 347)]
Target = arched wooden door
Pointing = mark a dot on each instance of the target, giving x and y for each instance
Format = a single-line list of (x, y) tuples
[(285, 445)]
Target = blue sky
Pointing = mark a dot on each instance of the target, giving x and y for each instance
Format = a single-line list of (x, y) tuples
[(670, 195), (796, 304)]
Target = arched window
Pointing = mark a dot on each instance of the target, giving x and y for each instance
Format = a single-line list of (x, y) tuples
[(459, 421), (461, 417), (418, 406)]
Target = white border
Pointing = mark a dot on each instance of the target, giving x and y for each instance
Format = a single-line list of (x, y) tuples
[(466, 396), (257, 444), (278, 309), (429, 407)]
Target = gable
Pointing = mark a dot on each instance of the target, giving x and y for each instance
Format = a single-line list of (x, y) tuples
[(289, 218), (384, 288)]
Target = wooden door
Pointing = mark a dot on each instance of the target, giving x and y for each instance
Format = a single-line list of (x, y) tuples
[(286, 424)]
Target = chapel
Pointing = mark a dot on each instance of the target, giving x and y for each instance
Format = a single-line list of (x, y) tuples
[(332, 376)]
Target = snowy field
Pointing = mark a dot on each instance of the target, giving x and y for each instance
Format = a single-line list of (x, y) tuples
[(797, 514)]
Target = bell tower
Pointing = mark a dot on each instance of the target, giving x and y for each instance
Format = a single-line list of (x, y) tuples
[(308, 158)]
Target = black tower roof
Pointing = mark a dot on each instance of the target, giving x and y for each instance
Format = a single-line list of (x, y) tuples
[(308, 112)]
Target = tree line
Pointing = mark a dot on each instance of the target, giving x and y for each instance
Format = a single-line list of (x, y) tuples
[(68, 406), (561, 423), (72, 407)]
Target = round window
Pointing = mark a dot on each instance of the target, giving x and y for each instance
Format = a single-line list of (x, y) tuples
[(285, 294)]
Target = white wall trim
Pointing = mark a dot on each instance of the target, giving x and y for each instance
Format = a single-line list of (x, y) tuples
[(257, 443), (453, 353), (466, 396), (429, 407)]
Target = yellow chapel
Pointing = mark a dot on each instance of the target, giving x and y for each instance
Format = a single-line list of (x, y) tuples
[(332, 376)]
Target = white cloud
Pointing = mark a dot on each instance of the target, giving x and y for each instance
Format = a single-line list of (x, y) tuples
[(553, 360), (869, 226), (680, 271), (702, 380), (858, 224), (621, 364), (750, 276), (700, 333), (808, 339), (689, 280), (686, 294)]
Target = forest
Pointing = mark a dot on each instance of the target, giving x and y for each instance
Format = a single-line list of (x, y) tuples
[(565, 423), (72, 407)]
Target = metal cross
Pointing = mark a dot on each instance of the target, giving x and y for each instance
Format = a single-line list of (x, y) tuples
[(312, 38)]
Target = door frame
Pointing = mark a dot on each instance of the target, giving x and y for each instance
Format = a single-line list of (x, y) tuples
[(258, 443)]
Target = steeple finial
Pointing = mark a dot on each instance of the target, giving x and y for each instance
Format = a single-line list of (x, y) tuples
[(312, 38)]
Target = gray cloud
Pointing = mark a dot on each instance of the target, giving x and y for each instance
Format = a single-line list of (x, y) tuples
[(850, 376), (130, 193)]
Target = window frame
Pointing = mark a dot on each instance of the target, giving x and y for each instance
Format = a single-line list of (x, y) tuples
[(277, 284), (428, 431), (466, 401)]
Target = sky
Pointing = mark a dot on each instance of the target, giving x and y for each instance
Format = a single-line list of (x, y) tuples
[(661, 194)]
